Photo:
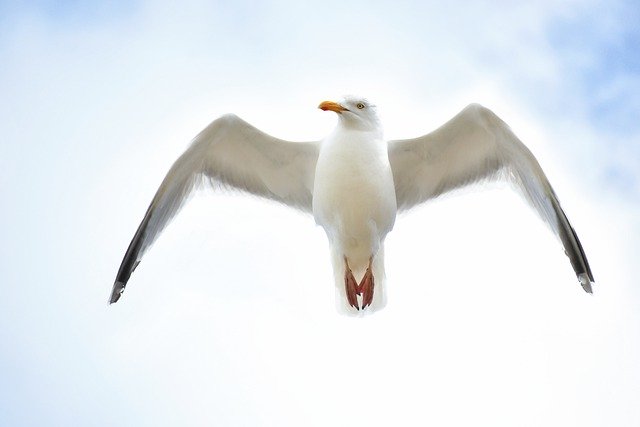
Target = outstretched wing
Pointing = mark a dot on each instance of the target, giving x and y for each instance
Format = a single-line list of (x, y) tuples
[(228, 153), (476, 145)]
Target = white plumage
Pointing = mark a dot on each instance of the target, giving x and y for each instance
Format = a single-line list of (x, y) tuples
[(354, 197), (354, 183)]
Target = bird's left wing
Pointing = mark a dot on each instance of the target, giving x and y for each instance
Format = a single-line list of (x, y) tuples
[(476, 145), (228, 153)]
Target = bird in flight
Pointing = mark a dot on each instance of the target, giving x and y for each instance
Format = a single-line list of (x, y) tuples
[(354, 182)]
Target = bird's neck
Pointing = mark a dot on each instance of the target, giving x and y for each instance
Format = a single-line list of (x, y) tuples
[(375, 130), (354, 140)]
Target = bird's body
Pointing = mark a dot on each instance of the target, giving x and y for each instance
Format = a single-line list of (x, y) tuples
[(354, 182), (354, 200)]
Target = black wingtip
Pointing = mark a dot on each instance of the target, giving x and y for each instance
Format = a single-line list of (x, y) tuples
[(128, 266), (586, 282), (116, 292)]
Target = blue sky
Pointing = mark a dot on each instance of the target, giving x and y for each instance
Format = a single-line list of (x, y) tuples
[(230, 318)]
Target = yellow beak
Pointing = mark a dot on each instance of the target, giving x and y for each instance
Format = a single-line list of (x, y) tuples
[(332, 106)]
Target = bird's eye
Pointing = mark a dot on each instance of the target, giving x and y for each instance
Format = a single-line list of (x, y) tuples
[(360, 105)]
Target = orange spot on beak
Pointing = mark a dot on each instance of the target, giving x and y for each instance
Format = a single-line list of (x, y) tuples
[(332, 106)]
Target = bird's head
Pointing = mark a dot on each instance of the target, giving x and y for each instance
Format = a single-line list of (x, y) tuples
[(355, 112)]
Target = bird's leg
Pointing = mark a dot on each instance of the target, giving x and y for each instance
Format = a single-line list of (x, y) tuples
[(366, 286), (351, 286)]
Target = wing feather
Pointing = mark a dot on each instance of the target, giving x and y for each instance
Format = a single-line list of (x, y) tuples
[(476, 145), (228, 153)]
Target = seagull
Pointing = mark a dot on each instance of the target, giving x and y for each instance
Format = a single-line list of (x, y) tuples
[(354, 182)]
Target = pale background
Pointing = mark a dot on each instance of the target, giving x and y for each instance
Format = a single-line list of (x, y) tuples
[(230, 318)]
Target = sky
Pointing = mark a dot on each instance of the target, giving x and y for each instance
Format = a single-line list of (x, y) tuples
[(230, 318)]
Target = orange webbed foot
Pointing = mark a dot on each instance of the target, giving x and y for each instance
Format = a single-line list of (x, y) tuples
[(351, 287), (366, 288)]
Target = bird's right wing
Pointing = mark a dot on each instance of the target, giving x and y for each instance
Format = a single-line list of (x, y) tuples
[(473, 146), (228, 153)]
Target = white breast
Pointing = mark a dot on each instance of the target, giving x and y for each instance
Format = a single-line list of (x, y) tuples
[(354, 196)]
